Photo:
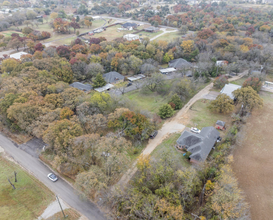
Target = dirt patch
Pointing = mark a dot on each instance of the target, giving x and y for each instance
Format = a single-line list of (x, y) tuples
[(253, 161)]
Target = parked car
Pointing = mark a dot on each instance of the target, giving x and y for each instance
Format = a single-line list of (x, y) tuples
[(52, 177), (195, 130), (153, 134), (218, 139), (129, 84)]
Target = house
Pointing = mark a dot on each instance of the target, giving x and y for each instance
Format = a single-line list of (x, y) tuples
[(199, 145), (113, 77), (180, 64), (221, 125), (104, 88), (81, 86), (129, 26), (131, 37), (151, 29), (18, 55), (135, 77), (229, 89), (221, 63), (167, 70)]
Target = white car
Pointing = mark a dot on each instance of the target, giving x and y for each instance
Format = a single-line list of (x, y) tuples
[(52, 177), (195, 130)]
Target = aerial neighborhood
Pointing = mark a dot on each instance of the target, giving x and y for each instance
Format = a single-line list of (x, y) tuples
[(131, 109)]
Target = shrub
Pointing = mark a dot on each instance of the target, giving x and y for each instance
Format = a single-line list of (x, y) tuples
[(176, 101), (220, 82), (166, 111), (172, 105), (254, 82)]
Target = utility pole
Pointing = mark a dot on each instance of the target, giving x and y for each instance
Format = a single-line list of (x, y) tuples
[(61, 206)]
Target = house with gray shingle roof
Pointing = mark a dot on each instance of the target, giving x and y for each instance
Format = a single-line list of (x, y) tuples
[(199, 145), (81, 86), (180, 64), (229, 89), (113, 77)]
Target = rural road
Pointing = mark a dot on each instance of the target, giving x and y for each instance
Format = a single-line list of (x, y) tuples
[(61, 188), (172, 125)]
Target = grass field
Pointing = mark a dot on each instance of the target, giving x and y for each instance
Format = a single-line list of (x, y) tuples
[(201, 116), (239, 81), (167, 146), (144, 34), (150, 101), (71, 215), (112, 33), (253, 160), (28, 200), (9, 33), (169, 36)]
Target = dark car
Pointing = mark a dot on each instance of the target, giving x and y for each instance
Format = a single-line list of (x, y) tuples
[(153, 134), (129, 84)]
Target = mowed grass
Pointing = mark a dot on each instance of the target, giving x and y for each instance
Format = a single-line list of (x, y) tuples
[(201, 116), (9, 33), (144, 34), (70, 213), (169, 36), (112, 33), (150, 101), (239, 81), (28, 200), (167, 147)]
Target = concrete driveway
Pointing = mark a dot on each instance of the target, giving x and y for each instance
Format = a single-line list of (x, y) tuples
[(212, 95)]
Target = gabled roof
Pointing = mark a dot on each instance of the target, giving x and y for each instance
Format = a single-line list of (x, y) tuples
[(229, 89), (81, 86), (128, 24), (221, 123), (199, 145), (180, 63), (113, 77)]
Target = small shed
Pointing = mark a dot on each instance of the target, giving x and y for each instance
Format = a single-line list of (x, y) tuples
[(221, 125), (135, 77)]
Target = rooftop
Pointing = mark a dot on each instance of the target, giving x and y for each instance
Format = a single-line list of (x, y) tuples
[(180, 64), (104, 88), (18, 55), (113, 77), (199, 145), (81, 86), (229, 89)]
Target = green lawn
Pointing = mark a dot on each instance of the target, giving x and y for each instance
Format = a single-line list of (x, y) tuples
[(150, 101), (9, 33), (28, 200), (239, 81), (167, 146), (169, 36), (148, 34), (201, 116)]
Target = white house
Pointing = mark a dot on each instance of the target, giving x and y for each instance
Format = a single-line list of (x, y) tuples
[(229, 89), (18, 55), (131, 37)]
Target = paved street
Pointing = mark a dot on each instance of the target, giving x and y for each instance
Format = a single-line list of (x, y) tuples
[(61, 188)]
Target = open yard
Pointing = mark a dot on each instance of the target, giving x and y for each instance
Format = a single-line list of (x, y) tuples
[(112, 33), (9, 33), (169, 36), (253, 160), (167, 146), (150, 101), (28, 200), (144, 34), (200, 116)]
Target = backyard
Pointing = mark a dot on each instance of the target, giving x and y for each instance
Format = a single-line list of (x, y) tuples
[(253, 160), (167, 146), (200, 116), (28, 200), (169, 36)]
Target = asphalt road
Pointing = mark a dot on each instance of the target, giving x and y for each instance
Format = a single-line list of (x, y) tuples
[(61, 188)]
